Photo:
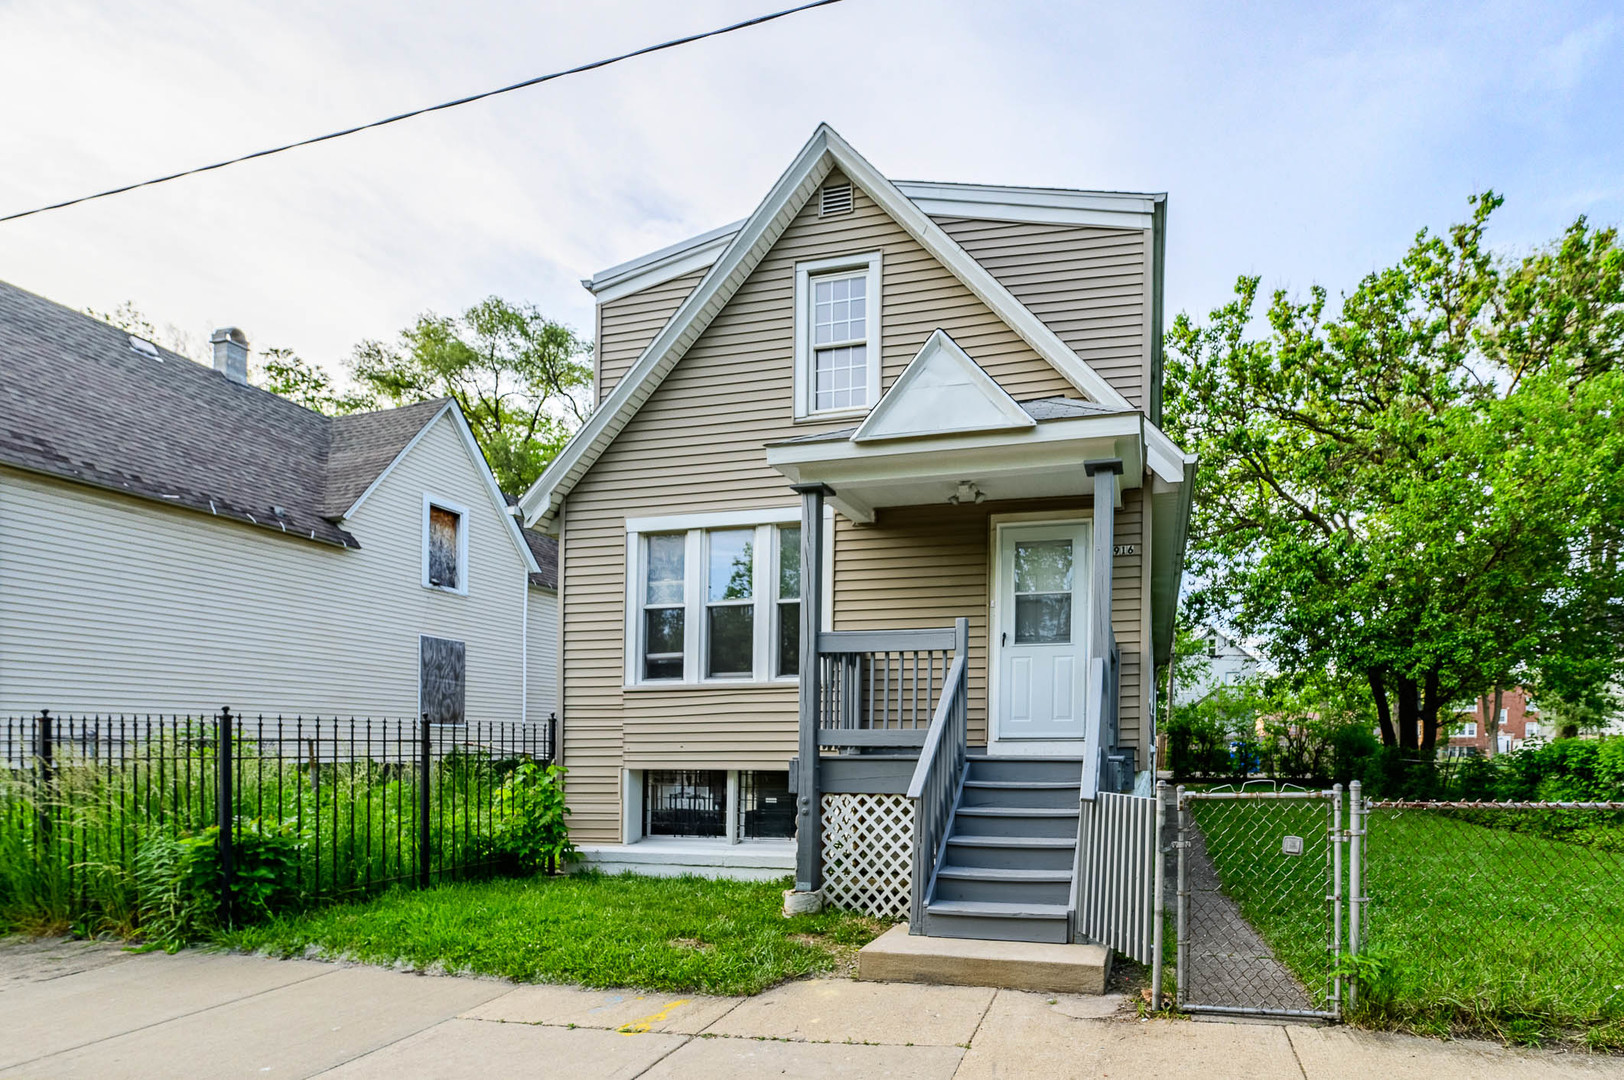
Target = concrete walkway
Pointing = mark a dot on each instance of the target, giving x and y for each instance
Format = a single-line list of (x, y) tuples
[(75, 1009)]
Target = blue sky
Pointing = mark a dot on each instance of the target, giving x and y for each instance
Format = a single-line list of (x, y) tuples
[(1303, 143)]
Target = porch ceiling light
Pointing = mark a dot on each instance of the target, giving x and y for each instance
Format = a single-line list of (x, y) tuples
[(966, 493)]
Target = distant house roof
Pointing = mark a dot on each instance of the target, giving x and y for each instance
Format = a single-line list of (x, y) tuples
[(545, 550), (79, 401)]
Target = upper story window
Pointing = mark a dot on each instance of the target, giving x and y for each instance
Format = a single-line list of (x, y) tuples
[(837, 309), (714, 598), (445, 546)]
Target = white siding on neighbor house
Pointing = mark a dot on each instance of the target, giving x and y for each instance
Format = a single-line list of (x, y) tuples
[(118, 604), (541, 650)]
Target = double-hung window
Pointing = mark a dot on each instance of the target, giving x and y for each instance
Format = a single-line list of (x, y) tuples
[(837, 316), (715, 598), (665, 606)]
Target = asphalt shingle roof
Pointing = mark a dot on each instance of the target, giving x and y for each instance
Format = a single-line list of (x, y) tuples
[(78, 401), (545, 550)]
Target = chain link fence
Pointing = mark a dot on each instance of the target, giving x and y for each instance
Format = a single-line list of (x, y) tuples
[(1259, 913), (1496, 918)]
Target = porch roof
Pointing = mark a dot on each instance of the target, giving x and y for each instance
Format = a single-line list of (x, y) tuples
[(1041, 460)]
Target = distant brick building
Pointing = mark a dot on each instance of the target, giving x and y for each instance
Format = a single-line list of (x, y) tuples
[(1520, 720)]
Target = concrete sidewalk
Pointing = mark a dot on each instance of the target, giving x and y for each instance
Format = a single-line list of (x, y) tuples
[(75, 1009)]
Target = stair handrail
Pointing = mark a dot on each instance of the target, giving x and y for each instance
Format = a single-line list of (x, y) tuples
[(938, 776)]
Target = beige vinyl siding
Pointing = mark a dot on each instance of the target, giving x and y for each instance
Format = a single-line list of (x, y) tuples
[(541, 655), (1090, 285), (628, 324), (697, 445), (927, 565), (115, 604)]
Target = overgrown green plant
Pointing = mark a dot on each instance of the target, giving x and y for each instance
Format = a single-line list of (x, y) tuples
[(533, 833)]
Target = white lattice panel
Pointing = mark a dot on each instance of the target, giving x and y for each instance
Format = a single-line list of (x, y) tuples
[(868, 853)]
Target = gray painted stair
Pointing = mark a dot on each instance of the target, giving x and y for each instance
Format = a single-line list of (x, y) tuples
[(1006, 872)]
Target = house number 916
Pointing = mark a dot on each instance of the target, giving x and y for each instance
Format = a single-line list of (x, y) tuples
[(1125, 549)]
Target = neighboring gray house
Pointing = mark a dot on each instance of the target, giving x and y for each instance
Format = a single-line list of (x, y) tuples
[(1229, 661), (173, 539), (882, 457)]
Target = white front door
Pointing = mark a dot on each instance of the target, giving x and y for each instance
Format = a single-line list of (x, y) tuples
[(1039, 640)]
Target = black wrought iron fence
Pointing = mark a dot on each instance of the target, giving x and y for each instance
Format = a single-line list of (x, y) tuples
[(316, 808)]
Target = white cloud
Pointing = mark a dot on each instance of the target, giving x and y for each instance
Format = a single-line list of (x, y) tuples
[(1305, 144)]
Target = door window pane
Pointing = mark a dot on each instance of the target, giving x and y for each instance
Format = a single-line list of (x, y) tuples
[(1042, 566), (1043, 619), (731, 565), (732, 631), (1043, 584)]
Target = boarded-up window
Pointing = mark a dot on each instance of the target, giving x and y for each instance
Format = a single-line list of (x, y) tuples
[(442, 680), (444, 526)]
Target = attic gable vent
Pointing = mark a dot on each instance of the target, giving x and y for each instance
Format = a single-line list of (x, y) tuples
[(836, 199)]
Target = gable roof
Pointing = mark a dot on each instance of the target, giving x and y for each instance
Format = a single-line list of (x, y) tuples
[(78, 402), (942, 390), (825, 152)]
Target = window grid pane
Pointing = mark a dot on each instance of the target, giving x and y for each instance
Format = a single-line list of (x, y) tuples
[(842, 377)]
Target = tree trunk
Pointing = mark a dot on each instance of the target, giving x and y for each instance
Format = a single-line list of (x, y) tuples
[(1429, 713), (1408, 713), (1384, 713), (1491, 722)]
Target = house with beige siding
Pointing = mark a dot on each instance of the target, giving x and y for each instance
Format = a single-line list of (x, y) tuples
[(175, 540), (871, 546)]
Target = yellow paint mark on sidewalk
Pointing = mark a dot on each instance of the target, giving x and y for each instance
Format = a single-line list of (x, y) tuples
[(640, 1027)]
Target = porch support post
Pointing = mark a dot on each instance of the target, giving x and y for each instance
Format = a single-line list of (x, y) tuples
[(1104, 472), (808, 801)]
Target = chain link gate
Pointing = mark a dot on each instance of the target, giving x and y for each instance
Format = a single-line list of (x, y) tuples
[(1260, 901)]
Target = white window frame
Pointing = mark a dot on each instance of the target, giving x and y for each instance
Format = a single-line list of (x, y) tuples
[(431, 501), (1469, 730), (805, 377), (696, 569)]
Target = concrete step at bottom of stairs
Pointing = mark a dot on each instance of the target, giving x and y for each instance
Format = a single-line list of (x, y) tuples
[(996, 921), (897, 956)]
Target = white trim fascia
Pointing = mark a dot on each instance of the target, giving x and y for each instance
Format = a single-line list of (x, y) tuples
[(873, 265), (673, 261), (942, 343), (844, 451), (463, 524), (985, 202), (378, 480), (825, 151), (1162, 454), (720, 519)]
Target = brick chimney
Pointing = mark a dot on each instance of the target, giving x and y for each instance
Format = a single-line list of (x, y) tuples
[(230, 353)]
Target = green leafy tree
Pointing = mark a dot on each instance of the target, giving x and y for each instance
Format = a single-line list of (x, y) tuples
[(522, 380), (1425, 490), (285, 373)]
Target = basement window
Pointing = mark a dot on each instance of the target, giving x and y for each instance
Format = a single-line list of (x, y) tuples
[(684, 802), (445, 546)]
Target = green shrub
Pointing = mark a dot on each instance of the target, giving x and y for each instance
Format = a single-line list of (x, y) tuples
[(177, 881), (531, 832)]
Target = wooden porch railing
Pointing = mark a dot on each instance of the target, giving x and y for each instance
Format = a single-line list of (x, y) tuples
[(880, 688), (937, 779)]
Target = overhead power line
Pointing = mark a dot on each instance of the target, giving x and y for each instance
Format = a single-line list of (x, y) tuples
[(673, 43)]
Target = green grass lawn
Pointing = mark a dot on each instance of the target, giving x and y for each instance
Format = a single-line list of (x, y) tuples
[(671, 934), (1473, 929)]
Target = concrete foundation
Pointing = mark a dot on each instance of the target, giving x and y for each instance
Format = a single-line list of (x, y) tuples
[(897, 956)]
